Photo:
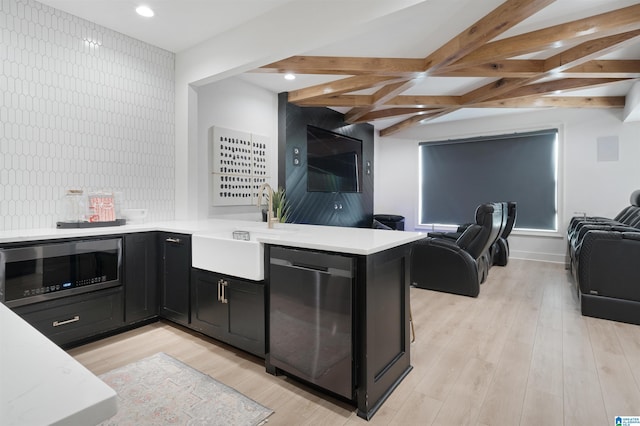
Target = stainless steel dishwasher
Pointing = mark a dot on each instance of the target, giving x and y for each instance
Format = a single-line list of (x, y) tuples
[(310, 317)]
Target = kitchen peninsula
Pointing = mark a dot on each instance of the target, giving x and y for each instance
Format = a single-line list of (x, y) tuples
[(42, 384), (379, 337)]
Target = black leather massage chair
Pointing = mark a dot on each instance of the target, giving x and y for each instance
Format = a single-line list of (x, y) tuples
[(604, 258), (500, 249), (498, 253), (628, 220), (454, 266)]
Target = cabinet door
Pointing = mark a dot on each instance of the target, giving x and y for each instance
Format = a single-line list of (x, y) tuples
[(246, 328), (229, 309), (208, 313), (141, 276), (176, 270)]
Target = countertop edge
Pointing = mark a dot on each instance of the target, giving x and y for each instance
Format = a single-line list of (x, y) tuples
[(341, 248), (316, 237), (34, 369)]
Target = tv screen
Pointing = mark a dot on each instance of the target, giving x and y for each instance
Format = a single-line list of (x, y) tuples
[(334, 162)]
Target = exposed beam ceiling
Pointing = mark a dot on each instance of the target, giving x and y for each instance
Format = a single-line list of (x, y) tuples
[(533, 69)]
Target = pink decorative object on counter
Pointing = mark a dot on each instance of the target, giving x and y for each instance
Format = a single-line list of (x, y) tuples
[(102, 208)]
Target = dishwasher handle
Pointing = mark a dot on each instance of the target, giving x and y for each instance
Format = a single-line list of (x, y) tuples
[(312, 267)]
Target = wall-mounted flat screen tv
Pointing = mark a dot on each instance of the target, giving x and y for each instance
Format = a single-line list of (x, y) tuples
[(334, 161)]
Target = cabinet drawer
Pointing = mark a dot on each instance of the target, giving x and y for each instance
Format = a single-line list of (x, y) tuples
[(76, 318)]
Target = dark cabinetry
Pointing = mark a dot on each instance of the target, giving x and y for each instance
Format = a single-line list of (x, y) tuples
[(229, 309), (76, 318), (175, 271), (382, 326), (140, 276), (340, 321)]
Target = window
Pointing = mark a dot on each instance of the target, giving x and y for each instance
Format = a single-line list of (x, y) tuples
[(458, 175)]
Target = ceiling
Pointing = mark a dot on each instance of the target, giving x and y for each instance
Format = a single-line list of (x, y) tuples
[(421, 62)]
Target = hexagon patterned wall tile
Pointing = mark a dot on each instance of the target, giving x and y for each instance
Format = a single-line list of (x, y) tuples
[(81, 106)]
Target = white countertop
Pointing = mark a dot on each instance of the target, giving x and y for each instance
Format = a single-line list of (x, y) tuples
[(240, 258), (40, 384), (361, 241)]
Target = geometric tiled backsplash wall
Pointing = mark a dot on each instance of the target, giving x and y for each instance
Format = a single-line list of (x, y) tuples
[(81, 106)]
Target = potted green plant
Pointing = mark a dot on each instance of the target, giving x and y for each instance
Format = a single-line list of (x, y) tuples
[(281, 205)]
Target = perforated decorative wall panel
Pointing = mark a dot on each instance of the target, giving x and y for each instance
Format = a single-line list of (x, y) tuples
[(83, 107), (239, 166)]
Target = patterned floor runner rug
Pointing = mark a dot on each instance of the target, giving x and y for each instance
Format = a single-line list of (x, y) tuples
[(160, 390)]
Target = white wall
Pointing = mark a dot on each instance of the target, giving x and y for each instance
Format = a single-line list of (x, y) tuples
[(283, 32), (81, 107), (238, 105), (597, 188)]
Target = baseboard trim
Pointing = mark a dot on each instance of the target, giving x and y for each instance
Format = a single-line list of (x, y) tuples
[(538, 256)]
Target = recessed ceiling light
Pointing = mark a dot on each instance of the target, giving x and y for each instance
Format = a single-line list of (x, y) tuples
[(289, 76), (144, 11)]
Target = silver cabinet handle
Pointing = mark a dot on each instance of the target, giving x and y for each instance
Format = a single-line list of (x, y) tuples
[(224, 292), (222, 284), (173, 240), (219, 291), (69, 321)]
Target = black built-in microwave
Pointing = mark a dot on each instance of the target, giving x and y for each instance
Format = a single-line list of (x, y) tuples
[(34, 273)]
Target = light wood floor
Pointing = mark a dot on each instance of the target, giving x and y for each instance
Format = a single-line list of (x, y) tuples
[(520, 353)]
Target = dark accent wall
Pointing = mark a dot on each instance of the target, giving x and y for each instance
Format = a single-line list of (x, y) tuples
[(321, 208)]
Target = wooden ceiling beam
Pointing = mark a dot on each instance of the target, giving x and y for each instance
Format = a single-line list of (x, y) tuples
[(567, 59), (587, 51), (494, 89), (404, 101), (402, 104), (382, 114), (519, 83), (424, 101), (523, 68), (605, 24), (343, 101), (567, 102), (557, 102), (345, 85), (414, 121), (387, 92), (617, 68), (504, 68), (504, 17), (555, 86), (484, 93), (401, 125), (335, 65)]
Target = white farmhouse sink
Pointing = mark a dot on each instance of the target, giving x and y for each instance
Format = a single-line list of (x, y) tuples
[(218, 251)]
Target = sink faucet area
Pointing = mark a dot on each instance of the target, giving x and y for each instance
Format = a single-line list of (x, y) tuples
[(225, 252), (270, 217), (220, 252)]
